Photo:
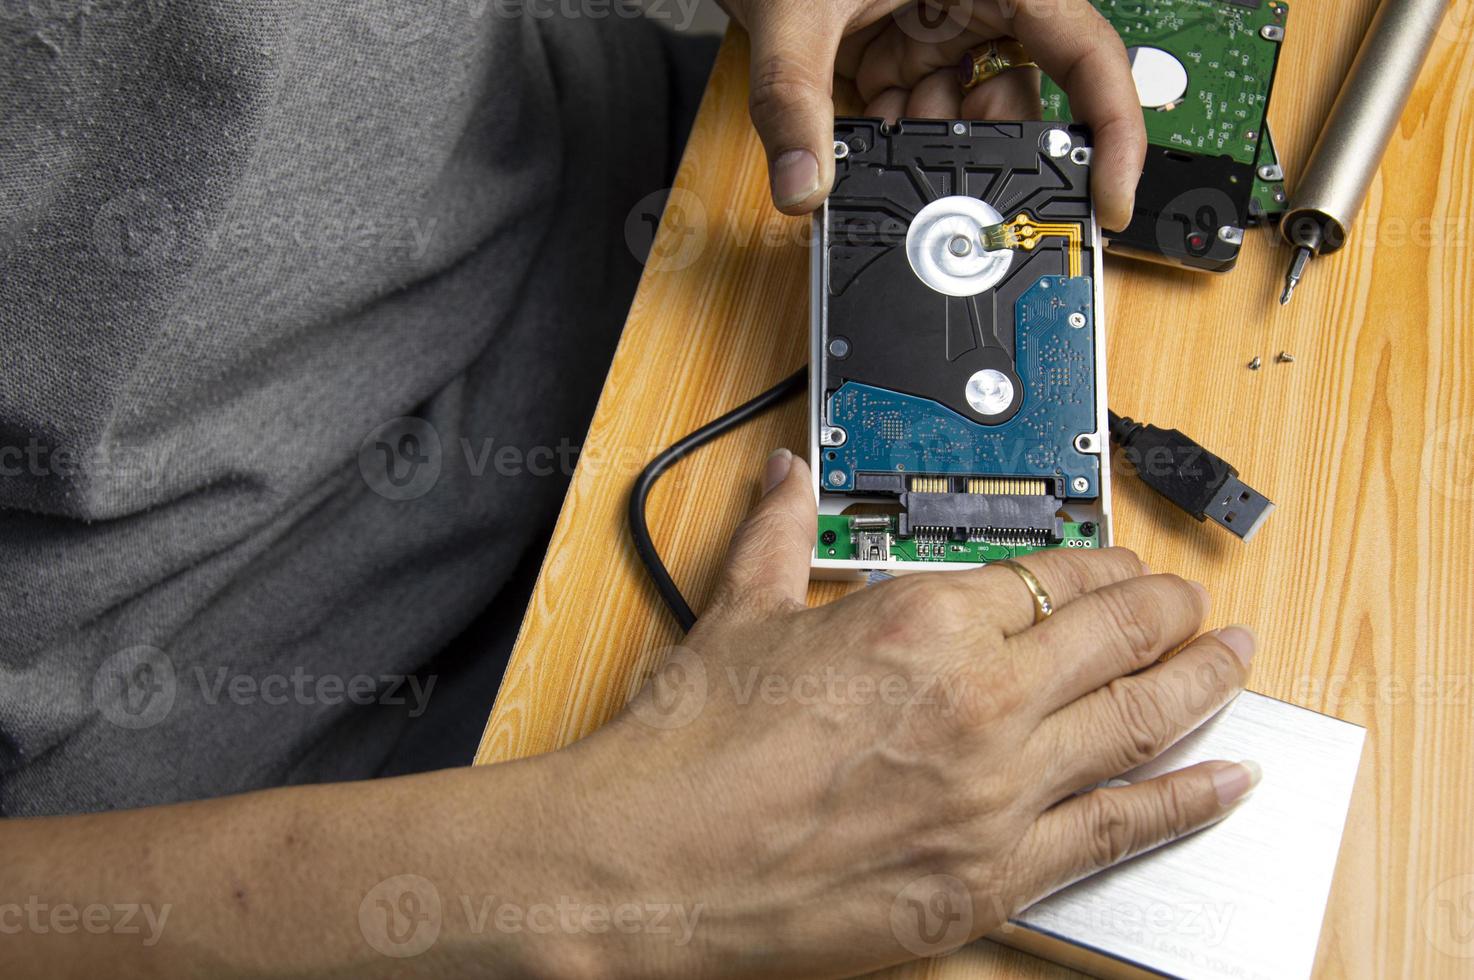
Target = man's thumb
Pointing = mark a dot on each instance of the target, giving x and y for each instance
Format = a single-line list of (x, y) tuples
[(792, 99), (768, 564)]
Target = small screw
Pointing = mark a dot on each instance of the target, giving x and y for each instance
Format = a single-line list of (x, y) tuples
[(1256, 363), (841, 150), (1056, 143), (960, 129), (1080, 484), (1285, 357), (836, 478), (1077, 320)]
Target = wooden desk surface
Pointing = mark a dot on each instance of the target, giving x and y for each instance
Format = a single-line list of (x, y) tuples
[(1361, 585)]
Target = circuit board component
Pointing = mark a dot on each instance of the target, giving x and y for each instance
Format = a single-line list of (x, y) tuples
[(1026, 233), (841, 540), (887, 434), (1204, 70)]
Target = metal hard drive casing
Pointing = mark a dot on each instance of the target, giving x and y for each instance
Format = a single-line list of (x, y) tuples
[(930, 338)]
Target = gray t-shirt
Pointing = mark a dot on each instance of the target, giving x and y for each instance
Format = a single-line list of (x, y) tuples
[(238, 241)]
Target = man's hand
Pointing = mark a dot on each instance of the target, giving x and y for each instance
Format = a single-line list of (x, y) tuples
[(894, 774), (902, 55), (799, 793)]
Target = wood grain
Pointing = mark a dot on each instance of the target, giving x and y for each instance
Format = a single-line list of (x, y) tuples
[(1361, 585)]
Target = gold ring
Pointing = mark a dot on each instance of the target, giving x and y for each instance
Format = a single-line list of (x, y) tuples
[(1043, 605), (990, 61)]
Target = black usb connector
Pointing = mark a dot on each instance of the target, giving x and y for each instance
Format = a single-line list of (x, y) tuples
[(1194, 479)]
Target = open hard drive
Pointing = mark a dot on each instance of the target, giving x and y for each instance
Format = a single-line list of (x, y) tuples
[(958, 401)]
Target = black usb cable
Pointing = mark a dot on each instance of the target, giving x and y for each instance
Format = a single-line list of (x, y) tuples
[(1194, 479), (670, 594)]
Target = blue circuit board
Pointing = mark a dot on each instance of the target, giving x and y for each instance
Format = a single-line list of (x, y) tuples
[(888, 431)]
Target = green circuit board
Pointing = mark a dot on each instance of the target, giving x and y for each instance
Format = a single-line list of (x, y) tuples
[(838, 538), (1267, 202), (1228, 49)]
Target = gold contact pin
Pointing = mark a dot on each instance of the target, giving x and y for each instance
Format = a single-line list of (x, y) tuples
[(929, 484), (1008, 485)]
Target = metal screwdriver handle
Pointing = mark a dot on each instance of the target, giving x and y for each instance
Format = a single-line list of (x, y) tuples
[(1325, 203)]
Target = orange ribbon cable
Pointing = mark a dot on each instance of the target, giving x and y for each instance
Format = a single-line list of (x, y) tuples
[(1025, 233)]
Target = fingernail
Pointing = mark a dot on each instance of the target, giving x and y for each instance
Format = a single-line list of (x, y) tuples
[(1239, 639), (1233, 782), (795, 177), (1202, 593), (777, 469)]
